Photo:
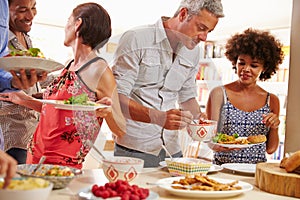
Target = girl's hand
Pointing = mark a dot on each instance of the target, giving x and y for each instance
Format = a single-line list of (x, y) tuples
[(271, 120), (103, 112)]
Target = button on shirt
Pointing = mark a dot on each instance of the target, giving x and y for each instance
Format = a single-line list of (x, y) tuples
[(145, 72)]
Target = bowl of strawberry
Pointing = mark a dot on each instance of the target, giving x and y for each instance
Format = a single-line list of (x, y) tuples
[(120, 188)]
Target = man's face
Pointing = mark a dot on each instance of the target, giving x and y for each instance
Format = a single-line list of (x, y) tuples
[(21, 14), (194, 28)]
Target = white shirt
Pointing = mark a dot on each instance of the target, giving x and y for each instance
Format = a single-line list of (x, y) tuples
[(145, 72)]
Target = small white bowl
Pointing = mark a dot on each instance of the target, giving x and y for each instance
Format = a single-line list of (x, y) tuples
[(202, 132), (18, 194), (123, 168)]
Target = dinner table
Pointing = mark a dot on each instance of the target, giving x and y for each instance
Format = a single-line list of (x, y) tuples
[(152, 175)]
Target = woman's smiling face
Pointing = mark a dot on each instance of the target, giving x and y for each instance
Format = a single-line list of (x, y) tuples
[(249, 69)]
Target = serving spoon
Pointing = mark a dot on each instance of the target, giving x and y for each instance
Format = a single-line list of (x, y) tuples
[(169, 154), (89, 142), (41, 161)]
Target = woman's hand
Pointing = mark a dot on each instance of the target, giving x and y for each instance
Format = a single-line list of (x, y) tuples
[(271, 120), (14, 97), (8, 167), (103, 112)]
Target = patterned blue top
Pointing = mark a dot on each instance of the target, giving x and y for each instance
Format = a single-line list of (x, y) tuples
[(233, 120)]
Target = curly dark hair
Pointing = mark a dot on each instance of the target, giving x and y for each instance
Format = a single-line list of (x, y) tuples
[(258, 44)]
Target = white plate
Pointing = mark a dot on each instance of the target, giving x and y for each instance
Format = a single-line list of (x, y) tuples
[(212, 169), (61, 105), (88, 195), (241, 167), (166, 184), (26, 62), (235, 146)]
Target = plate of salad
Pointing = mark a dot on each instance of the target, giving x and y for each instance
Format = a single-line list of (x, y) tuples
[(232, 141), (80, 102), (29, 59)]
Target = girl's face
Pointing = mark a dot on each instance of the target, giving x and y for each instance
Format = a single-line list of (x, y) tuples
[(248, 69)]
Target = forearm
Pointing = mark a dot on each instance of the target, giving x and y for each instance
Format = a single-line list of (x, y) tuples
[(138, 112), (272, 141)]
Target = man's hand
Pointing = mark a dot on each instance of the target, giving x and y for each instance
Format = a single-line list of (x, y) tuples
[(174, 119), (23, 81)]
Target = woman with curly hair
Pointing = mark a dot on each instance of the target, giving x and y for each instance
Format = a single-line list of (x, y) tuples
[(242, 106)]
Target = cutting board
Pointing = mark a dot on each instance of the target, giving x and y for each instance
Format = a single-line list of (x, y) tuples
[(271, 178)]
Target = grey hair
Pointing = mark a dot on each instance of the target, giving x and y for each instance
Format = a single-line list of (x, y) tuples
[(195, 6)]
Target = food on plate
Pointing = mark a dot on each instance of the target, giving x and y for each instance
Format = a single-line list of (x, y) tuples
[(256, 139), (32, 52), (200, 182), (291, 163), (121, 189), (205, 122), (81, 99), (26, 184), (55, 171), (223, 138)]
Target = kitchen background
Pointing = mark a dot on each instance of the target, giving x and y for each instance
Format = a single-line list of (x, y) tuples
[(48, 34)]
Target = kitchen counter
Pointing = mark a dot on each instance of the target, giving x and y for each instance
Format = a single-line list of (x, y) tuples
[(92, 176)]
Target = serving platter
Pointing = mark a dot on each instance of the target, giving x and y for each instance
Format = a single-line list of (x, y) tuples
[(26, 62), (166, 183), (240, 167), (59, 104)]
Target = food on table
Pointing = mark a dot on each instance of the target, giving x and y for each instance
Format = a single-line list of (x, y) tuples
[(32, 52), (121, 189), (81, 99), (55, 171), (291, 163), (223, 138), (200, 182), (256, 138), (26, 184)]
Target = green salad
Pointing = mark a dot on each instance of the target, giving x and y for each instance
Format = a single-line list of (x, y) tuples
[(81, 99), (221, 137), (32, 52)]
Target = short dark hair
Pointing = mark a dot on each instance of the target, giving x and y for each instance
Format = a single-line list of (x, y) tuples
[(95, 29), (258, 44)]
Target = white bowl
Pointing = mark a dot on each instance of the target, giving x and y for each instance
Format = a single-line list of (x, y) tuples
[(202, 132), (18, 194), (123, 168)]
